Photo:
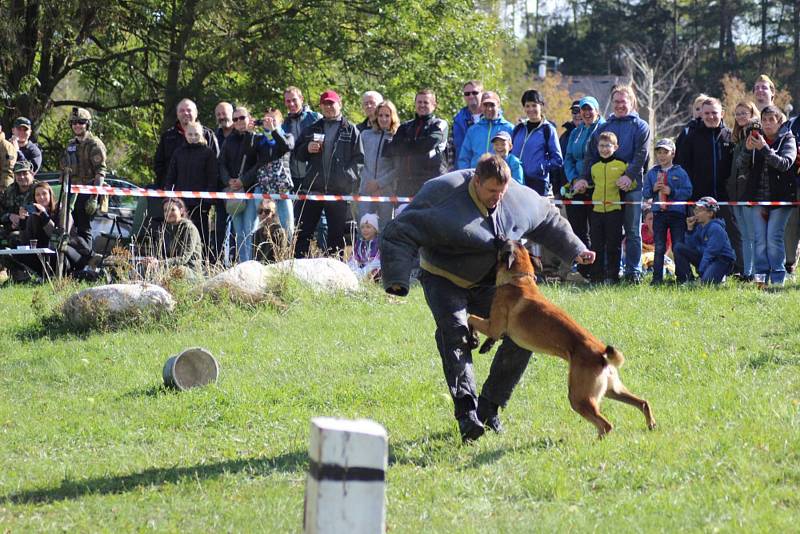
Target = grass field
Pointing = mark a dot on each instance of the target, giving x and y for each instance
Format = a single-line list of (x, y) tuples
[(89, 440)]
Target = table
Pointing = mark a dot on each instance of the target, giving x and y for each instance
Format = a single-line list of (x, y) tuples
[(40, 253)]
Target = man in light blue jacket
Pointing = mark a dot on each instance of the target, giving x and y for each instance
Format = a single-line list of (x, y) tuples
[(479, 137)]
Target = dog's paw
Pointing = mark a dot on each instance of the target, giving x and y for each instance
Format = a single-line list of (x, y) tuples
[(487, 345)]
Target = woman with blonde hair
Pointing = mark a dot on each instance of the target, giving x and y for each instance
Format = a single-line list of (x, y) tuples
[(379, 175), (746, 117)]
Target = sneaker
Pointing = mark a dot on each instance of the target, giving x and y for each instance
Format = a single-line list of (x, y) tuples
[(634, 279), (470, 427), (487, 414)]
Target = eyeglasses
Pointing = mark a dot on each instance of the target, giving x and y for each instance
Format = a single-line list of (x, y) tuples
[(471, 93), (575, 111), (489, 104), (242, 118), (79, 121)]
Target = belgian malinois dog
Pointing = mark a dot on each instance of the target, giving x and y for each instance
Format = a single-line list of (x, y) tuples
[(521, 312)]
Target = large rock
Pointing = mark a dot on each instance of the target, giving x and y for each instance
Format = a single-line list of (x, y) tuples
[(245, 282), (321, 274), (252, 281), (117, 301)]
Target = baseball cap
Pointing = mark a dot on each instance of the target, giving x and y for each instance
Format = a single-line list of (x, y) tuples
[(22, 166), (666, 143), (575, 107), (589, 101), (708, 203), (22, 121), (490, 96), (329, 96), (502, 135)]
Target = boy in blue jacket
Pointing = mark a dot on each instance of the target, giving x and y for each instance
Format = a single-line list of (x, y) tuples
[(666, 182), (501, 142), (706, 244)]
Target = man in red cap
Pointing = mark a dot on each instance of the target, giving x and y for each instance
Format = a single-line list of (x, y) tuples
[(332, 148)]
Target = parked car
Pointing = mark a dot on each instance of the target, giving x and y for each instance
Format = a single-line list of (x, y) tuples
[(107, 228)]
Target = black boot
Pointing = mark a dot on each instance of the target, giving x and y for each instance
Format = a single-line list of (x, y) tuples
[(487, 414), (470, 427)]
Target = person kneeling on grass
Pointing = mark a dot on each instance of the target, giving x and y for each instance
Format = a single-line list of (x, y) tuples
[(706, 244), (180, 246), (366, 259)]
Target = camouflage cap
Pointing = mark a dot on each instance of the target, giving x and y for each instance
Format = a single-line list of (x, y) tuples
[(23, 165), (79, 114)]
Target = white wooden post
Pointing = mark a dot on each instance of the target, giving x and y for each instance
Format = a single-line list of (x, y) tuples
[(346, 484)]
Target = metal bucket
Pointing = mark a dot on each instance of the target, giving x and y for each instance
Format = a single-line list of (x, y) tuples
[(191, 368)]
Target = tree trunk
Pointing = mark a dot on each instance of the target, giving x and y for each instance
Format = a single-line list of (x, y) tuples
[(183, 19), (762, 61)]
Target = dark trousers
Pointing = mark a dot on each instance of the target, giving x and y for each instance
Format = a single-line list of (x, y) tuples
[(606, 235), (220, 230), (713, 274), (80, 219), (732, 229), (307, 214), (450, 305), (579, 217), (675, 223), (199, 215)]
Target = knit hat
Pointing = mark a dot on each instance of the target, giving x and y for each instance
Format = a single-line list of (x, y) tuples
[(371, 219)]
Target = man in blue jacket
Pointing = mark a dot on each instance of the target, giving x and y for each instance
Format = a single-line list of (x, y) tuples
[(479, 137), (633, 135), (466, 116), (456, 223)]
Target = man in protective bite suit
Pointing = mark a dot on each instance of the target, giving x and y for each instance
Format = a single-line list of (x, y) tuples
[(457, 222)]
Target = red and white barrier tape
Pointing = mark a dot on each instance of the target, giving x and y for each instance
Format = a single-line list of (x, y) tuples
[(138, 192), (130, 192)]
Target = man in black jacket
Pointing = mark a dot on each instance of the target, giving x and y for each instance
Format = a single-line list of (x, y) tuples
[(706, 153), (332, 148), (174, 138), (419, 146)]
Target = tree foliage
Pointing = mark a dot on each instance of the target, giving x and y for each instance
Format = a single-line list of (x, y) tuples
[(135, 59)]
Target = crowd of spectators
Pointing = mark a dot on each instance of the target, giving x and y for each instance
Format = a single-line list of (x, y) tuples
[(596, 157)]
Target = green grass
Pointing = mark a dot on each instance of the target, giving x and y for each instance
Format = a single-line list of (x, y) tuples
[(89, 441)]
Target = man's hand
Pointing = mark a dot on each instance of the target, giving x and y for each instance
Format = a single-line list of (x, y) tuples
[(580, 186), (15, 219), (397, 289), (314, 147), (585, 258), (624, 183)]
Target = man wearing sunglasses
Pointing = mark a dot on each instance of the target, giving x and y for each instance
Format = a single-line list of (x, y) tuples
[(466, 116), (174, 138)]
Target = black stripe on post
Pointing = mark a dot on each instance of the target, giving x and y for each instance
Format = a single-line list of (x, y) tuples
[(339, 473)]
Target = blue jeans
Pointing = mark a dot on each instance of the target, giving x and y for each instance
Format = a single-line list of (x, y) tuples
[(714, 273), (450, 305), (675, 223), (744, 219), (769, 225), (632, 222), (244, 225), (286, 216)]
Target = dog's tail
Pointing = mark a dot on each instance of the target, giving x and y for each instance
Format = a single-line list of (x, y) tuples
[(614, 357)]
